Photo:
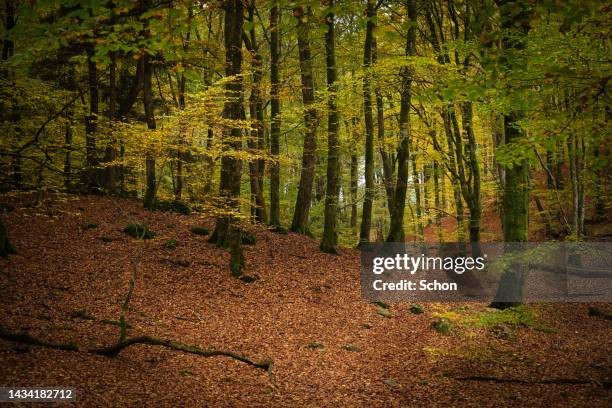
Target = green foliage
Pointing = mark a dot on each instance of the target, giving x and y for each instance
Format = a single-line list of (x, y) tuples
[(415, 308), (384, 312), (442, 325), (557, 79), (514, 316), (500, 322), (139, 231)]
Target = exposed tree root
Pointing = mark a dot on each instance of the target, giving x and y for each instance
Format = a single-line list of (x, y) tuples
[(154, 341), (554, 381), (114, 350)]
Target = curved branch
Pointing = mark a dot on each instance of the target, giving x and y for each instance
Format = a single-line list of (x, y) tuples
[(114, 350)]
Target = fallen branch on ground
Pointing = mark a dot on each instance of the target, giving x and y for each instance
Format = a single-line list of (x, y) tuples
[(154, 341), (114, 350)]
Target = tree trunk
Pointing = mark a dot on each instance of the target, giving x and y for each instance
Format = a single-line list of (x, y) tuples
[(396, 231), (226, 234), (258, 206), (354, 186), (437, 203), (416, 182), (275, 124), (515, 200), (91, 124), (366, 213), (471, 191), (147, 97), (330, 235), (178, 185), (387, 164), (111, 152), (304, 196), (67, 157)]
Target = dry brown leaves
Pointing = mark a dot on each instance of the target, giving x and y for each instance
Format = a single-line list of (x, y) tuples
[(302, 312)]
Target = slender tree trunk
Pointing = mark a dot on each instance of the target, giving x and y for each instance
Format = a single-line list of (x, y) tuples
[(354, 186), (304, 196), (471, 191), (111, 152), (258, 206), (330, 235), (437, 203), (366, 213), (178, 185), (147, 97), (416, 183), (454, 173), (275, 124), (68, 147), (380, 127), (91, 124), (8, 46), (396, 231)]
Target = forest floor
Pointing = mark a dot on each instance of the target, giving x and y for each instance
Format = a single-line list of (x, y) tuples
[(305, 312)]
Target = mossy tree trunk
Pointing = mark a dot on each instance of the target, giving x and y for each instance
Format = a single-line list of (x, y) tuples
[(515, 200)]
